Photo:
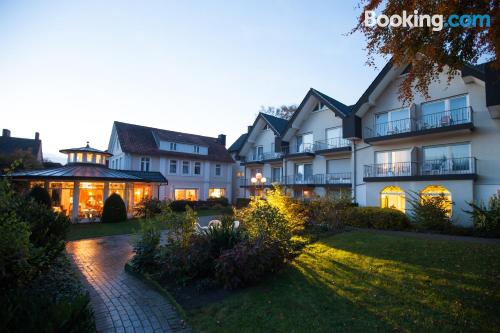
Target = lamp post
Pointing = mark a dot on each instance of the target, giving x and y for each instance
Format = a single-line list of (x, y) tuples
[(258, 180)]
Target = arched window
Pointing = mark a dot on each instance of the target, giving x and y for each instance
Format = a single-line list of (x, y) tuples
[(393, 197), (436, 191)]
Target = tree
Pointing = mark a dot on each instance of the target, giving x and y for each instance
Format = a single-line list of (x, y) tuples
[(284, 111), (24, 159), (431, 51)]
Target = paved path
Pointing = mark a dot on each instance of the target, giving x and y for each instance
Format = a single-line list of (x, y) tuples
[(121, 302)]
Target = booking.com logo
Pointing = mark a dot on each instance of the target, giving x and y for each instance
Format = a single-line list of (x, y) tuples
[(416, 20)]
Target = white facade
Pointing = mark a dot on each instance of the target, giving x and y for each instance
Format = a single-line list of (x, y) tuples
[(193, 177)]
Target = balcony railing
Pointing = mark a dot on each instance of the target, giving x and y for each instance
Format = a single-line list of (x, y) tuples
[(263, 157), (319, 179), (332, 143), (424, 122), (450, 166), (298, 149)]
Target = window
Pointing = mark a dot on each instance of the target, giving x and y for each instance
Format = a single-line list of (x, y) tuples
[(318, 107), (303, 173), (258, 153), (186, 194), (145, 161), (393, 122), (393, 197), (216, 192), (196, 149), (447, 159), (218, 170), (266, 127), (90, 157), (98, 159), (185, 168), (434, 191), (172, 167), (173, 146), (393, 163), (197, 168), (276, 175), (304, 142), (120, 167), (451, 111), (79, 157), (71, 157), (334, 138)]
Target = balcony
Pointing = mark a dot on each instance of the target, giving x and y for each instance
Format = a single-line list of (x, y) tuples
[(246, 182), (453, 168), (450, 120), (261, 158), (332, 145), (302, 150), (329, 179)]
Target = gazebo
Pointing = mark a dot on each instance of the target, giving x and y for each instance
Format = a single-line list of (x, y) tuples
[(80, 188)]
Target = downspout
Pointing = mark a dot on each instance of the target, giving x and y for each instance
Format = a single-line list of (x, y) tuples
[(354, 171)]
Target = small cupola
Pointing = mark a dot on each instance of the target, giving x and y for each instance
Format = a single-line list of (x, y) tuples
[(87, 155)]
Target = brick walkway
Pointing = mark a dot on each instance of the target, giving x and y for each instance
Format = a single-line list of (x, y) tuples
[(121, 302)]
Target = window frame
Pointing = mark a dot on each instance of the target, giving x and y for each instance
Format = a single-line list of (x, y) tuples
[(194, 168), (170, 164), (183, 164), (145, 163), (218, 166)]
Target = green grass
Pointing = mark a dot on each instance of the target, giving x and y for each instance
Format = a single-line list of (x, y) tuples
[(365, 282), (92, 230)]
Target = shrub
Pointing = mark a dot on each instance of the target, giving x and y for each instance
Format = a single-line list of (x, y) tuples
[(146, 247), (218, 201), (40, 195), (180, 205), (114, 209), (148, 208), (248, 262), (242, 202), (329, 213), (430, 212), (222, 237), (180, 226), (375, 217), (486, 218), (293, 210)]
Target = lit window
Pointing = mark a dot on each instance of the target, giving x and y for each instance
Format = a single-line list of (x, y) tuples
[(186, 194), (185, 167), (218, 170), (71, 157), (435, 191), (79, 157), (197, 168), (90, 157), (173, 146), (145, 161), (98, 159), (173, 167), (393, 197), (216, 192)]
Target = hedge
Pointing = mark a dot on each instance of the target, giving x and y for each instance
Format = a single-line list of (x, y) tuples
[(377, 218)]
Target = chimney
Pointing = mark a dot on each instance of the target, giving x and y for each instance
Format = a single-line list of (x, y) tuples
[(221, 139), (37, 136), (249, 128), (5, 133)]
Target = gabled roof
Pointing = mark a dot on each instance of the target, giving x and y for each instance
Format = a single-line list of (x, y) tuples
[(238, 143), (143, 140), (340, 109), (278, 124), (9, 145)]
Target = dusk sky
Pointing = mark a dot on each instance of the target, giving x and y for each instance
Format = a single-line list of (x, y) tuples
[(68, 69)]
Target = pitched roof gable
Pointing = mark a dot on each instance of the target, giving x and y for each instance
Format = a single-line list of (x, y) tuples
[(278, 124), (238, 143), (137, 139)]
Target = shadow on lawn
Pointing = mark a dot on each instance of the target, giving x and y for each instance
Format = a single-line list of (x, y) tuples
[(399, 289)]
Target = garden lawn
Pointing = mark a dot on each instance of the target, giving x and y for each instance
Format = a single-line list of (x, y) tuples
[(366, 282)]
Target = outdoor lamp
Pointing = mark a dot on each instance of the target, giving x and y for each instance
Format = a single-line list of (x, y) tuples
[(253, 180), (258, 176), (263, 180)]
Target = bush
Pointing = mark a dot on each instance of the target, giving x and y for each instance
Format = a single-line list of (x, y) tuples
[(249, 262), (431, 212), (40, 195), (293, 210), (377, 218), (146, 247), (114, 209), (328, 213), (218, 201), (486, 218), (180, 205), (222, 237), (148, 208), (242, 202)]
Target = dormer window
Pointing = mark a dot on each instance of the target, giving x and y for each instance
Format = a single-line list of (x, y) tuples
[(145, 161), (173, 146), (266, 127), (196, 149), (319, 107)]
